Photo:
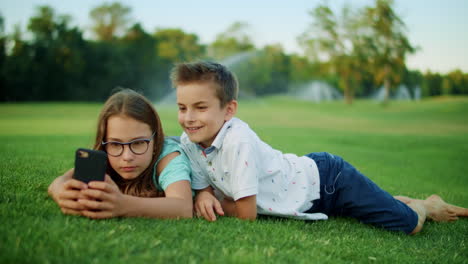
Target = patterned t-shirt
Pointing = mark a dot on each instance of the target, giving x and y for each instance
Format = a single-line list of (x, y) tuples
[(238, 164)]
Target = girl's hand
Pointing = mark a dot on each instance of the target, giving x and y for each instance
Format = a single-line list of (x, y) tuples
[(66, 195), (105, 200)]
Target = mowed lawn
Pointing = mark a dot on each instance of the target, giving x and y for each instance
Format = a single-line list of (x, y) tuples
[(408, 148)]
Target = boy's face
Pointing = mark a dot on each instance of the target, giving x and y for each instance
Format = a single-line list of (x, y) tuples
[(200, 113)]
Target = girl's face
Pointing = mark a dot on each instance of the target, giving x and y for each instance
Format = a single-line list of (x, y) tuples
[(121, 128)]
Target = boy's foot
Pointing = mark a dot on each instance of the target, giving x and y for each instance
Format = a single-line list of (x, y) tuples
[(440, 211), (403, 199)]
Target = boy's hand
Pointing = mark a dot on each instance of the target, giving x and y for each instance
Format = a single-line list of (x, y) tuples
[(206, 205)]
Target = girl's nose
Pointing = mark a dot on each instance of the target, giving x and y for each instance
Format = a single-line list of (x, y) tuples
[(127, 153)]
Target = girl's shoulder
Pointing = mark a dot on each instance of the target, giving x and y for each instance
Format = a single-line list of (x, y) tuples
[(171, 144), (178, 168)]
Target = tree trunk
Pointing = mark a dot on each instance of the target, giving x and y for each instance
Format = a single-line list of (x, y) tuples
[(387, 90), (387, 85), (348, 94)]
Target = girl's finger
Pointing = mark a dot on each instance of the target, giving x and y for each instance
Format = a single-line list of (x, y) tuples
[(95, 194), (94, 205), (70, 211), (99, 185), (70, 205), (69, 195), (75, 184), (108, 179), (96, 214), (103, 186)]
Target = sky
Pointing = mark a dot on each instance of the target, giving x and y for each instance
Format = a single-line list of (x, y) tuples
[(439, 28)]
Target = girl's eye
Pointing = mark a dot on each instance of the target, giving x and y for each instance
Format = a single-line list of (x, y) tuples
[(114, 144), (138, 142)]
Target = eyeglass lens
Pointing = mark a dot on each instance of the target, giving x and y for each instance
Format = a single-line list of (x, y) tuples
[(137, 147)]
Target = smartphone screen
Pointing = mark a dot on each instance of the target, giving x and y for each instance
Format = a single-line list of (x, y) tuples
[(90, 165)]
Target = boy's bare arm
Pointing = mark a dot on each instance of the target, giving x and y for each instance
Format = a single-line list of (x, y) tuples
[(206, 204), (246, 208)]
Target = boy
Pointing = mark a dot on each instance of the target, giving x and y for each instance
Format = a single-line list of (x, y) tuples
[(251, 177)]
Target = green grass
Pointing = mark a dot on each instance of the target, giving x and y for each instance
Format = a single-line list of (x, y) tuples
[(408, 148)]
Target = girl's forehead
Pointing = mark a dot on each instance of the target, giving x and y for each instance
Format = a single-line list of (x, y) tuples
[(124, 127)]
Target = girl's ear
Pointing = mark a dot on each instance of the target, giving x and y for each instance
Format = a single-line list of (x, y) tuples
[(231, 110)]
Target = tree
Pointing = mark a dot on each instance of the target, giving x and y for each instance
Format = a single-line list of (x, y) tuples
[(174, 45), (142, 59), (386, 43), (456, 83), (432, 84), (110, 19), (234, 40), (3, 41), (265, 73), (332, 41)]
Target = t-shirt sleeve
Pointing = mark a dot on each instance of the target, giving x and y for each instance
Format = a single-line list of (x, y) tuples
[(178, 169), (243, 169), (199, 178)]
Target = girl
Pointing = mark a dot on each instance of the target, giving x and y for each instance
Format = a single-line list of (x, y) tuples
[(147, 175)]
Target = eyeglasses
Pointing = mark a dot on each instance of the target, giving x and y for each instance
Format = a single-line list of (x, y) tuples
[(137, 146)]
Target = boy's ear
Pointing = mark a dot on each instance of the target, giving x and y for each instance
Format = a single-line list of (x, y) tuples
[(231, 110)]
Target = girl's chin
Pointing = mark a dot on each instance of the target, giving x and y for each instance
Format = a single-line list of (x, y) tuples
[(128, 176)]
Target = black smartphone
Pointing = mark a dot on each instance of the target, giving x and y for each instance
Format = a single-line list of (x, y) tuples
[(90, 165)]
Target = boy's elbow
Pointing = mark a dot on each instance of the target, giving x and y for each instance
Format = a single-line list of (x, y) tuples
[(250, 217)]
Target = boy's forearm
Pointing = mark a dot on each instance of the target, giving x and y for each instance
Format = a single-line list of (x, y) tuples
[(246, 208), (229, 207)]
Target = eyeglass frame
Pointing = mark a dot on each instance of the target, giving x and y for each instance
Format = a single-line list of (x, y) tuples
[(147, 140)]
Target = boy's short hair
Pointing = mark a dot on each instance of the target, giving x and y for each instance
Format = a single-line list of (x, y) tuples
[(227, 86)]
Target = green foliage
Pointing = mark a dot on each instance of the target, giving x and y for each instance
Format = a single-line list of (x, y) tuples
[(364, 46), (413, 149), (234, 40), (110, 19), (387, 44), (356, 51)]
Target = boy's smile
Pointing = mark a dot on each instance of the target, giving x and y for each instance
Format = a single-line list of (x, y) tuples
[(200, 113)]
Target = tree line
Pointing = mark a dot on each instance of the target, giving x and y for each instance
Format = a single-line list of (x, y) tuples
[(355, 50)]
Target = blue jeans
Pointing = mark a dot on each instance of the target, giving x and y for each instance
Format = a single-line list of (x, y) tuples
[(344, 191)]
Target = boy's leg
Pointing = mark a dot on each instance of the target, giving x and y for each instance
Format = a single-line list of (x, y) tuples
[(436, 208), (345, 191)]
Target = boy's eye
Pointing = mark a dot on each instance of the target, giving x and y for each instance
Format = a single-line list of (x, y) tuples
[(202, 107)]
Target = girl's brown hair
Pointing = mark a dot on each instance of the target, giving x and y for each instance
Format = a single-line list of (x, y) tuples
[(132, 104)]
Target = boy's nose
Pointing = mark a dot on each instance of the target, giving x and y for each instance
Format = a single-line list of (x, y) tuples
[(190, 116)]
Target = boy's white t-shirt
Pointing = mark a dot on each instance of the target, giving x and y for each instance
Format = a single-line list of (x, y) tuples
[(238, 164)]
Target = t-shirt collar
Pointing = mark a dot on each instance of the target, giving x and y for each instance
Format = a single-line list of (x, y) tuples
[(218, 142)]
